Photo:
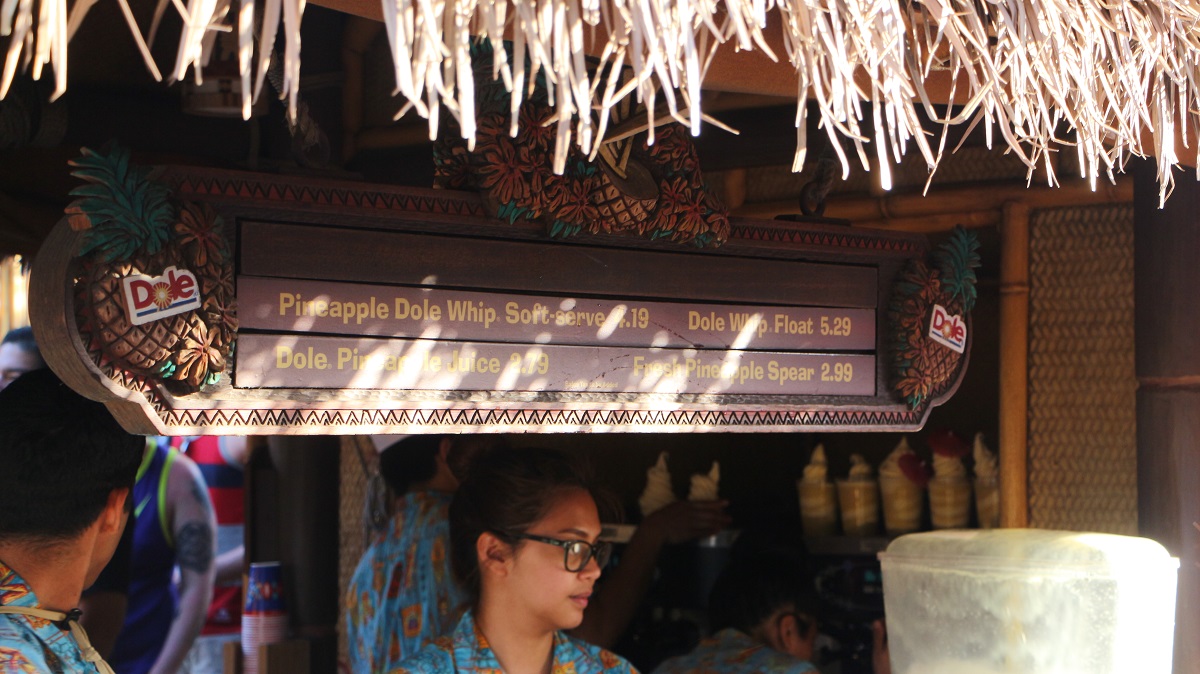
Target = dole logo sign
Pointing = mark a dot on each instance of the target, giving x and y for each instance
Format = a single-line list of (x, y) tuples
[(149, 298), (948, 329)]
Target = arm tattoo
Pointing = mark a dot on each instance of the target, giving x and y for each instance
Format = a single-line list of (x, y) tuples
[(194, 547), (201, 495)]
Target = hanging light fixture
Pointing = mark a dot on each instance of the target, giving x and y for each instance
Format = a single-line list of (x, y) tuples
[(218, 92)]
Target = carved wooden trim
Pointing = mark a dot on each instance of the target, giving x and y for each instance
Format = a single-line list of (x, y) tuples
[(145, 405), (483, 419)]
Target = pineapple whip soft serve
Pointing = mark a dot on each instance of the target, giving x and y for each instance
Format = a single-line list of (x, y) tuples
[(890, 468), (860, 470), (817, 470), (705, 487), (948, 467), (658, 492), (985, 460)]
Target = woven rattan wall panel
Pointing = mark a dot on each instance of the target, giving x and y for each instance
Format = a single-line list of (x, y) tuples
[(351, 529), (1082, 406)]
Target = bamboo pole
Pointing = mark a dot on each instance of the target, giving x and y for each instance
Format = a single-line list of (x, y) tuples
[(1014, 365), (936, 222), (14, 295), (735, 188)]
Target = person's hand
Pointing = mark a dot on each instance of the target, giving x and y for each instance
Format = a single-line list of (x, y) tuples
[(684, 520), (880, 660)]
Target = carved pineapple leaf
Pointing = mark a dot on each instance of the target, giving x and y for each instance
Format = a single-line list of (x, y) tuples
[(123, 211), (957, 259)]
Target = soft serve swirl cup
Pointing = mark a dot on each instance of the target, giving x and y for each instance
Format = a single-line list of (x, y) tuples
[(903, 500), (949, 493), (858, 499), (658, 492), (818, 498), (987, 485), (706, 487)]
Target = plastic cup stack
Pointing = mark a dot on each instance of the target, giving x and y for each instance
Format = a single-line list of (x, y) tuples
[(264, 618)]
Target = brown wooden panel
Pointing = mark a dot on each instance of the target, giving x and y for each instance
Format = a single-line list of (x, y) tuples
[(1166, 247), (1166, 321), (334, 254)]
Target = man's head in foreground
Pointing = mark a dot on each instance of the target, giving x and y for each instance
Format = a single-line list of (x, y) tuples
[(68, 470)]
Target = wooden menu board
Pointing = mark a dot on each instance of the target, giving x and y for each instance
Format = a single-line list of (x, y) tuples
[(347, 308)]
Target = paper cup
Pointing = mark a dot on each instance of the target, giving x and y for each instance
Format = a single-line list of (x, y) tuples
[(987, 502), (859, 503), (818, 508), (949, 503), (903, 505), (264, 589), (260, 630)]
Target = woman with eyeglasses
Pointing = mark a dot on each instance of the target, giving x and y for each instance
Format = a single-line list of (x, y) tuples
[(524, 533)]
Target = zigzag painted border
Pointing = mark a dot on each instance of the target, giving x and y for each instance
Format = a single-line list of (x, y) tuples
[(539, 418), (263, 189), (509, 418), (766, 230)]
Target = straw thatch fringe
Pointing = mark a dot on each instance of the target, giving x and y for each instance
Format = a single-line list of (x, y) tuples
[(1122, 74)]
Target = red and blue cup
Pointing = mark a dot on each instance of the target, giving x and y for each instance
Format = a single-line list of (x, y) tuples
[(264, 589)]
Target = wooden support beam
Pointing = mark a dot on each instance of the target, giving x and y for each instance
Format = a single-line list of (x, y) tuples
[(1166, 322), (1014, 365), (935, 222), (962, 199)]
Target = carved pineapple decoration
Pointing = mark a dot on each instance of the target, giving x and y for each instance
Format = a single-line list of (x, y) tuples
[(929, 311), (633, 186), (141, 246)]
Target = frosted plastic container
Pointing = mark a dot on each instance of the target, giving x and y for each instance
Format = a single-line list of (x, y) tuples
[(1026, 601)]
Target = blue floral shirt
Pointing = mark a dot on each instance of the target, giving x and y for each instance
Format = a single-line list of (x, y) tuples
[(732, 652), (31, 645), (467, 650), (403, 594)]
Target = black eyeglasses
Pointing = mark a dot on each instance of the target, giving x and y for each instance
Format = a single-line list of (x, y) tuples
[(576, 554)]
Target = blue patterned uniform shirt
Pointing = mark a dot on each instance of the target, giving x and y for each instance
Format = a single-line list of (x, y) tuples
[(467, 650), (403, 593), (31, 645), (732, 652)]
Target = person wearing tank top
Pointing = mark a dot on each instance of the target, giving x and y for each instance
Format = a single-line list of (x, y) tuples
[(174, 527), (221, 460)]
